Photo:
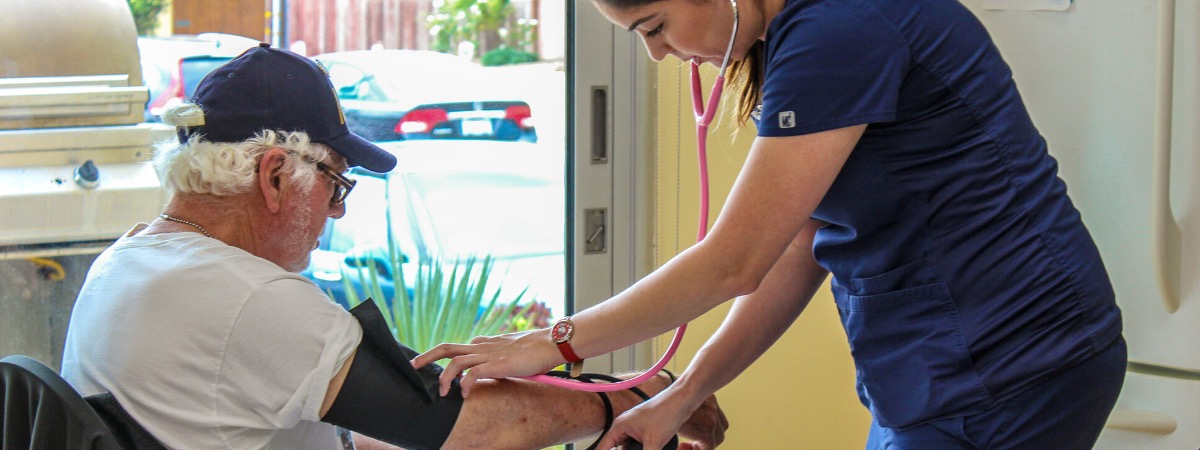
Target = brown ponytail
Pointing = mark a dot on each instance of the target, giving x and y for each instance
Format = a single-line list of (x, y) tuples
[(744, 83)]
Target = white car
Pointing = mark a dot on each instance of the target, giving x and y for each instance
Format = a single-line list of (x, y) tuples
[(452, 199)]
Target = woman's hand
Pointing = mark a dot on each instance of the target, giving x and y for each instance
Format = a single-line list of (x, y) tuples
[(508, 355), (654, 422)]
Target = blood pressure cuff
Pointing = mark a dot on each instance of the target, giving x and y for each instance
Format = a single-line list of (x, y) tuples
[(385, 398)]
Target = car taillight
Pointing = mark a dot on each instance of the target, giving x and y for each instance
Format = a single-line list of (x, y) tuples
[(170, 95), (421, 120), (519, 114)]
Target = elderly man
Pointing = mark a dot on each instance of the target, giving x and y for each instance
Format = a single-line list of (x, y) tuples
[(200, 327)]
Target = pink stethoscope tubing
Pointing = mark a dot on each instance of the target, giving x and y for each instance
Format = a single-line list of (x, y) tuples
[(704, 117)]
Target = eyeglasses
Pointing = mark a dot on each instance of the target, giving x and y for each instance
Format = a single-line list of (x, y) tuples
[(341, 185)]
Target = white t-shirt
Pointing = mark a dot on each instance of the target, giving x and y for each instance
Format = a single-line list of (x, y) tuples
[(206, 345)]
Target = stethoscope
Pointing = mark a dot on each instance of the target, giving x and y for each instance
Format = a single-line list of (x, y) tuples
[(704, 117)]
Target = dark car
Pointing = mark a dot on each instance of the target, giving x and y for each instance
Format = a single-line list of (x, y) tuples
[(390, 95), (173, 66)]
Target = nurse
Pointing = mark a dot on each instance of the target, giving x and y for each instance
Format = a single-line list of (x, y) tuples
[(893, 152)]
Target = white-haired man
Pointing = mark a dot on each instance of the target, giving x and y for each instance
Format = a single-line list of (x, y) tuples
[(198, 324)]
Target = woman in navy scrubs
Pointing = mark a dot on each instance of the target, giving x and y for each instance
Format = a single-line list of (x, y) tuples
[(894, 152)]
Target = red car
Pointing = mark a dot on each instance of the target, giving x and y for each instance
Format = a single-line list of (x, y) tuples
[(173, 66)]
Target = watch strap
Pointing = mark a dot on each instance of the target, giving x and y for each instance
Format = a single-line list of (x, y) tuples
[(568, 352)]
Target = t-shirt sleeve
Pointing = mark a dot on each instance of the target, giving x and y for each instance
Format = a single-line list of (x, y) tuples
[(830, 65), (285, 346)]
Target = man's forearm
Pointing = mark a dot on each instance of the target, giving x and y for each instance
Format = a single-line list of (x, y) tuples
[(519, 414), (361, 442)]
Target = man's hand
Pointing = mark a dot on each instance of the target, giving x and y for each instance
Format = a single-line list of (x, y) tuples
[(652, 423), (706, 426)]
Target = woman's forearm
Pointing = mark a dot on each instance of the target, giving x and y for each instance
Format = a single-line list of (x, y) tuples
[(756, 321), (779, 187)]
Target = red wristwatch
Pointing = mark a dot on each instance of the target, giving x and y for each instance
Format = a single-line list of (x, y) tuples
[(561, 333)]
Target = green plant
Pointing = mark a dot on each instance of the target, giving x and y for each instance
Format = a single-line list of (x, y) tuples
[(474, 21), (521, 35), (145, 14), (482, 25), (505, 55), (450, 301)]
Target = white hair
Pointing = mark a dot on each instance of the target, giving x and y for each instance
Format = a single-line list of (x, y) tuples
[(228, 168)]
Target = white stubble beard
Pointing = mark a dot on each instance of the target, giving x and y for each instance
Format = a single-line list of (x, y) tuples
[(298, 238)]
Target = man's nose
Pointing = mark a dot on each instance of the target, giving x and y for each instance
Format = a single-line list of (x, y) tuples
[(337, 211)]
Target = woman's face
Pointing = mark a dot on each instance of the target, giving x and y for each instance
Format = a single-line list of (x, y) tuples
[(685, 29)]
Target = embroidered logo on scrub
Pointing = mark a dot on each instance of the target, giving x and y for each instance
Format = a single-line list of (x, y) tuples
[(787, 119)]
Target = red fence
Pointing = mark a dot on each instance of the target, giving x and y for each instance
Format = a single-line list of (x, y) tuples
[(339, 25)]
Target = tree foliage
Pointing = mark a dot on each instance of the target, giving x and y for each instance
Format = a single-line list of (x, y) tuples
[(484, 26), (145, 14)]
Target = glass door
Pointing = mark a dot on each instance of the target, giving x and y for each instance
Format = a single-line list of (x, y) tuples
[(472, 101), (521, 133)]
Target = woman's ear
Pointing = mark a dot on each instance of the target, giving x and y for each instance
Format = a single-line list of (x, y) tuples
[(272, 179)]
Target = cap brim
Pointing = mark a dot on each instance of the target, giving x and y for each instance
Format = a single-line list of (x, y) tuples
[(361, 152)]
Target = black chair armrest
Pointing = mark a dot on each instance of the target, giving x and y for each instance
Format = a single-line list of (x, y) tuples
[(128, 431)]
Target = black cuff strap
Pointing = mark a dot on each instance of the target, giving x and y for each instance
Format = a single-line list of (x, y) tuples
[(385, 398), (608, 407), (673, 444), (669, 374)]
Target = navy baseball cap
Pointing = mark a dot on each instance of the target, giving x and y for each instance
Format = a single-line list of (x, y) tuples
[(266, 88)]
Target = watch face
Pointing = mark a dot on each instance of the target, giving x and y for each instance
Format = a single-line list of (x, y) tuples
[(561, 331)]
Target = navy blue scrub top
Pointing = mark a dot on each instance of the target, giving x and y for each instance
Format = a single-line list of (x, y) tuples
[(961, 270)]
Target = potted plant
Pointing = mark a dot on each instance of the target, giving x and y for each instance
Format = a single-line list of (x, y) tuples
[(448, 301)]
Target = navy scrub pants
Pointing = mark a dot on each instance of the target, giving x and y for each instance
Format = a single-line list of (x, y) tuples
[(1065, 412)]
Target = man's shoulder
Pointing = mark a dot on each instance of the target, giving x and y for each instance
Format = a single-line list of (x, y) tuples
[(192, 265)]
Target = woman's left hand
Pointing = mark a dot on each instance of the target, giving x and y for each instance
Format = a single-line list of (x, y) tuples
[(508, 355)]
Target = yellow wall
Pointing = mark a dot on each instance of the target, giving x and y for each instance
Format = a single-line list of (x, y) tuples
[(800, 394)]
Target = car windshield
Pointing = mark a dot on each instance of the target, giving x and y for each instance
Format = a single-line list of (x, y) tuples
[(412, 77)]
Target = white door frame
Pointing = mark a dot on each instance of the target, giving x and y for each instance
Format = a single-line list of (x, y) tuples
[(609, 62)]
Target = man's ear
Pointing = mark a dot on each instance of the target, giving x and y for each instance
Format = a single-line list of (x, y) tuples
[(271, 179)]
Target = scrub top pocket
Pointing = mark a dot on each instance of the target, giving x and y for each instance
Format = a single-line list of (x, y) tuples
[(911, 355)]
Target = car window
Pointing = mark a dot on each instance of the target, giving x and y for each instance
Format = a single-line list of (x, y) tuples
[(195, 69), (424, 84), (373, 91), (407, 76), (346, 79)]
